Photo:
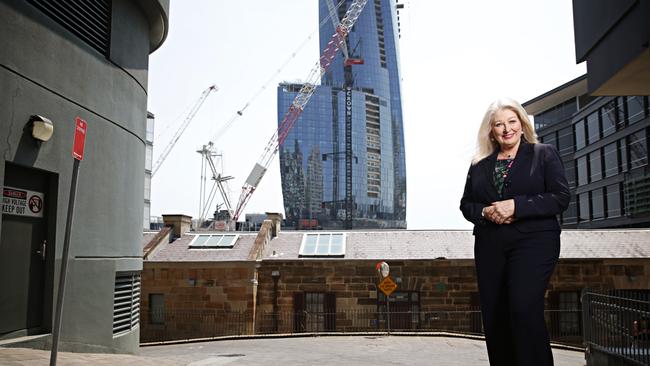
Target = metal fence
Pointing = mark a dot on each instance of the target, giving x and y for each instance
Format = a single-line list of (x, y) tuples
[(617, 327), (564, 325)]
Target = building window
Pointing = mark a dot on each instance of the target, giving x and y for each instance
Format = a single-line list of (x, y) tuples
[(214, 241), (148, 156), (623, 155), (638, 148), (314, 311), (583, 177), (570, 216), (611, 160), (634, 109), (570, 171), (565, 141), (595, 166), (583, 206), (579, 129), (593, 127), (569, 313), (404, 309), (551, 140), (156, 309), (323, 244), (609, 117), (597, 204), (613, 200)]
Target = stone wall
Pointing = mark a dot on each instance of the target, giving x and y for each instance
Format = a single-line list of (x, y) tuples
[(446, 294)]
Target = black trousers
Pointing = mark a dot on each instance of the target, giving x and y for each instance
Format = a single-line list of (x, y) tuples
[(513, 272)]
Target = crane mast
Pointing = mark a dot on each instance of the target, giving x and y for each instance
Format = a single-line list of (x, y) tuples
[(300, 101), (182, 128)]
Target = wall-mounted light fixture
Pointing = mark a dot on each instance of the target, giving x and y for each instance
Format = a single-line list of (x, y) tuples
[(42, 128)]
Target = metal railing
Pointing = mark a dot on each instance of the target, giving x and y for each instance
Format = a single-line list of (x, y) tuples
[(616, 326), (563, 325)]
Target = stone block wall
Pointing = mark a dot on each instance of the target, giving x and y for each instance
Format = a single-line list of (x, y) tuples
[(205, 296), (200, 299)]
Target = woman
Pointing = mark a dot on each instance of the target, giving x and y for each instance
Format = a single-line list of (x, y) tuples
[(514, 189)]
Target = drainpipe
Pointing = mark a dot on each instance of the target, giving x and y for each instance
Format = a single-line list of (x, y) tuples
[(258, 264)]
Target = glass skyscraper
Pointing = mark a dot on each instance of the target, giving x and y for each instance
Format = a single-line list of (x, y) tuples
[(326, 184)]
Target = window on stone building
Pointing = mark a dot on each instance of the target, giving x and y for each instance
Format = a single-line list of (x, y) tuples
[(156, 309), (214, 241), (565, 306), (314, 311), (323, 245), (404, 310)]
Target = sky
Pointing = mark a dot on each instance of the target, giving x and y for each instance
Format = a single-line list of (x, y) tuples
[(456, 57)]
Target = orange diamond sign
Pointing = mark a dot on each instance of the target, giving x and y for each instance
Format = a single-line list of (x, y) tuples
[(387, 286)]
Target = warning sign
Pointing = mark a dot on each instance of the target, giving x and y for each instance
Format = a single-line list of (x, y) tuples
[(387, 286), (21, 202)]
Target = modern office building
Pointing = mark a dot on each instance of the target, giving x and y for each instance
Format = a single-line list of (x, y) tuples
[(343, 165), (63, 60), (603, 142), (613, 37), (148, 162)]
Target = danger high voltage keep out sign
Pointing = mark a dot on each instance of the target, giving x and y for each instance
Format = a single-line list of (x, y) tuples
[(21, 202)]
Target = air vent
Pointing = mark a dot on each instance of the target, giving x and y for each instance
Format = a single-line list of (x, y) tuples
[(126, 303), (88, 20)]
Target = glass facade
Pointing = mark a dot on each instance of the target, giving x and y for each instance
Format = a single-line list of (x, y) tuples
[(313, 156), (604, 148)]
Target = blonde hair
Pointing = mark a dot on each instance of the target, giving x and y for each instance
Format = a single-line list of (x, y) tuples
[(485, 144)]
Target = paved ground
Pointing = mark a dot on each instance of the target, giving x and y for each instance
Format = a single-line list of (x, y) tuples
[(333, 350)]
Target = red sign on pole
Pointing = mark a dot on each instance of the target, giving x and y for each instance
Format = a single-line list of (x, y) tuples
[(79, 139)]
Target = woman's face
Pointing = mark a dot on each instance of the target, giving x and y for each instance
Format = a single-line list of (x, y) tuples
[(506, 128)]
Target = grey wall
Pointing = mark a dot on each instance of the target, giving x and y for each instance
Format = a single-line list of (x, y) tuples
[(46, 70)]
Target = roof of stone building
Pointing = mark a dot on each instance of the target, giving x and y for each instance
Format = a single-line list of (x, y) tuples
[(459, 244), (179, 250), (407, 245)]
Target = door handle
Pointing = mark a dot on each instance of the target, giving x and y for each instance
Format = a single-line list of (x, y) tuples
[(41, 252)]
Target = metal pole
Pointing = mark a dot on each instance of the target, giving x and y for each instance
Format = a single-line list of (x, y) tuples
[(388, 312), (64, 265)]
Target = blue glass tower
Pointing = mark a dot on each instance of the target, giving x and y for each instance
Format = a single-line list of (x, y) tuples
[(342, 165)]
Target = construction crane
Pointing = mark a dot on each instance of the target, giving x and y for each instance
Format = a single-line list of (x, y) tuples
[(208, 154), (299, 103), (182, 128)]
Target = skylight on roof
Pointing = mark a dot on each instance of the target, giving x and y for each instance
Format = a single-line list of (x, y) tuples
[(214, 241), (323, 245)]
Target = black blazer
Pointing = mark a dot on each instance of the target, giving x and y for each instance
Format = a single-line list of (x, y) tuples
[(536, 182)]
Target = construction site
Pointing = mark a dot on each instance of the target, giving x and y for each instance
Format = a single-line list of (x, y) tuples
[(363, 181)]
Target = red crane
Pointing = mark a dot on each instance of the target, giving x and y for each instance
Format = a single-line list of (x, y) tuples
[(298, 105)]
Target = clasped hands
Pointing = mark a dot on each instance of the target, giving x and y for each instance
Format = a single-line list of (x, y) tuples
[(500, 212)]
